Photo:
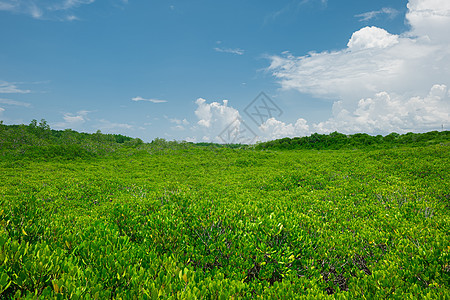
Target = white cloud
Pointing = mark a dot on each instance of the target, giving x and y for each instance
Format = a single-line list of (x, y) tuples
[(46, 9), (213, 115), (72, 18), (178, 128), (220, 123), (178, 121), (388, 11), (14, 102), (293, 6), (180, 124), (68, 4), (377, 65), (6, 5), (191, 139), (430, 18), (386, 113), (381, 114), (274, 129), (230, 50), (1, 110), (106, 125), (11, 88), (73, 121), (371, 37), (374, 61), (138, 98)]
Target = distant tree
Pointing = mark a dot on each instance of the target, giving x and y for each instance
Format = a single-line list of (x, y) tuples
[(118, 138), (33, 124), (390, 138), (133, 142), (159, 142), (43, 125), (99, 136)]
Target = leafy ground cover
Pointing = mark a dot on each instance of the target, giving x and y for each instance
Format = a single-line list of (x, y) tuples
[(182, 221)]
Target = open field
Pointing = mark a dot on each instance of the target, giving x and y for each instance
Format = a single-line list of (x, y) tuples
[(209, 222)]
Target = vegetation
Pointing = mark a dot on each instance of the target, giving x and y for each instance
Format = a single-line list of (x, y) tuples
[(38, 141), (337, 140), (95, 216)]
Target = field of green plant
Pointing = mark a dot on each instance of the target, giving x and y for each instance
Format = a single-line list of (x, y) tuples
[(185, 222)]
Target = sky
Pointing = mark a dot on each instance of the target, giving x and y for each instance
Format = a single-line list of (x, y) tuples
[(237, 71)]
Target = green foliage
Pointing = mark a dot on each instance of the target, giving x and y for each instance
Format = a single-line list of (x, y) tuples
[(38, 141), (337, 140), (176, 220)]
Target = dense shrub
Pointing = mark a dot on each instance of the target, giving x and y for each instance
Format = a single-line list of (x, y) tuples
[(337, 140), (83, 216)]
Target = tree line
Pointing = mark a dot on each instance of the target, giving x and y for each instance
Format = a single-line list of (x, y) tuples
[(338, 140)]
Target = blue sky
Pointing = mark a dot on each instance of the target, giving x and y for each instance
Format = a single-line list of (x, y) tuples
[(164, 68)]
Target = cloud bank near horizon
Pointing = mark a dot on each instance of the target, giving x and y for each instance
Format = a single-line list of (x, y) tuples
[(382, 114), (381, 82)]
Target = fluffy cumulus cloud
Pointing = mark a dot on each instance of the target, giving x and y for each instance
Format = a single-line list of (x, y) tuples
[(382, 113), (430, 18), (215, 115), (275, 129), (219, 122), (389, 112), (371, 38), (381, 81)]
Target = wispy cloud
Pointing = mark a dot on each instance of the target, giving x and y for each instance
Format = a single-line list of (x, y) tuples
[(6, 5), (1, 110), (139, 98), (46, 9), (292, 6), (180, 124), (106, 125), (68, 4), (72, 120), (11, 88), (178, 121), (388, 11), (14, 102), (230, 50), (72, 18)]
